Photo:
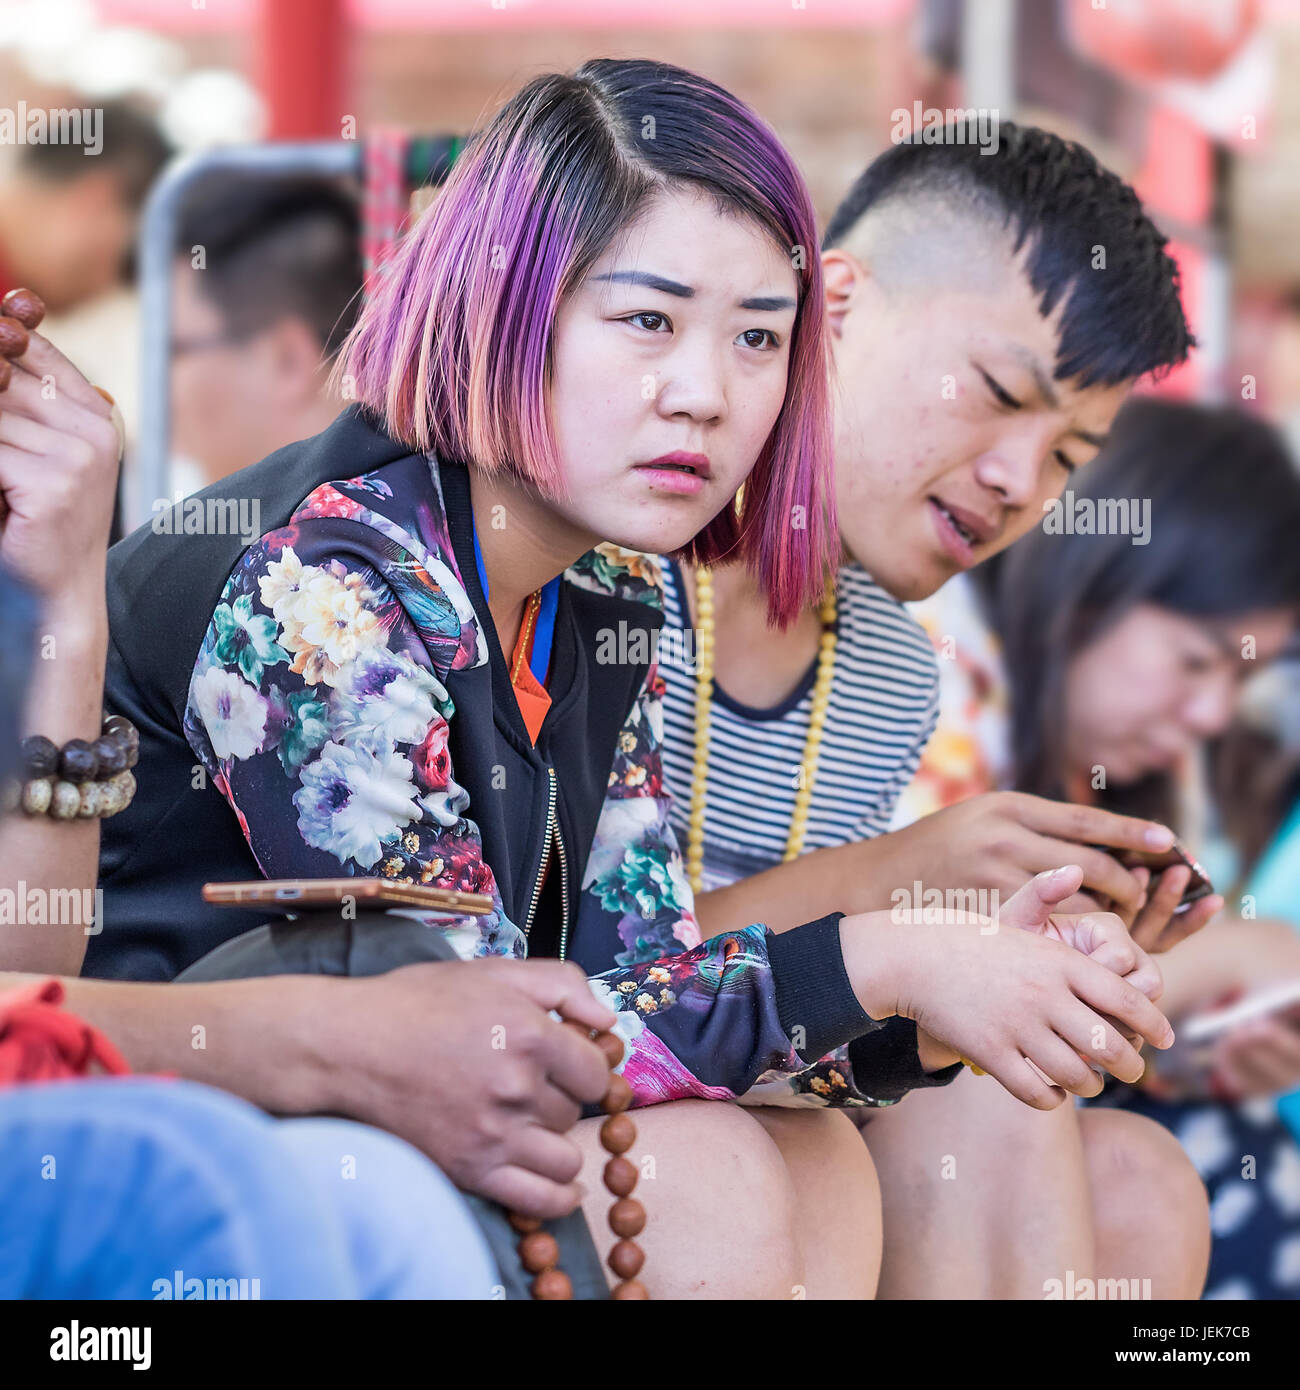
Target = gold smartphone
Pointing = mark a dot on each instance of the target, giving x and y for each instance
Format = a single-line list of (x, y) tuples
[(294, 894)]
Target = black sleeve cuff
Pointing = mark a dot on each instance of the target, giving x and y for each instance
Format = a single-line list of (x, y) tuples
[(886, 1064), (815, 1002)]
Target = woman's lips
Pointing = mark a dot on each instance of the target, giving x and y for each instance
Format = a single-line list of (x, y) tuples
[(674, 480)]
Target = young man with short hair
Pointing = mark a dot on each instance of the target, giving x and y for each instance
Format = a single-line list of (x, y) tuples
[(989, 314)]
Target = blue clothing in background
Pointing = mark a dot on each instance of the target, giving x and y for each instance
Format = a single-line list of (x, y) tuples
[(132, 1187)]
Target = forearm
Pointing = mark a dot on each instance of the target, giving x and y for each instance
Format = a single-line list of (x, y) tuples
[(51, 866), (845, 878), (814, 885), (1230, 954), (263, 1039)]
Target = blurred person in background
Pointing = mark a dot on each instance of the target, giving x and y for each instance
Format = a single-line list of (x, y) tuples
[(68, 215), (266, 286), (68, 224), (1284, 371), (1106, 669)]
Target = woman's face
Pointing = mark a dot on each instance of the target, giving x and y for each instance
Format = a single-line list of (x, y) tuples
[(669, 372), (1157, 683)]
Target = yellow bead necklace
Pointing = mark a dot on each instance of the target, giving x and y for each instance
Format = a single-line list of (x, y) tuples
[(704, 716)]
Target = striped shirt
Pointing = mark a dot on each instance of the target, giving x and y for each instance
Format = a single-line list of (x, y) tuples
[(883, 707)]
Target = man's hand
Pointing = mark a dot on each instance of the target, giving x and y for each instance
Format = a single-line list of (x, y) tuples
[(59, 452), (463, 1060), (1156, 927), (1000, 839)]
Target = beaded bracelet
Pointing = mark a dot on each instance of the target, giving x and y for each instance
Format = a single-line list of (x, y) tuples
[(116, 750), (77, 800), (81, 779)]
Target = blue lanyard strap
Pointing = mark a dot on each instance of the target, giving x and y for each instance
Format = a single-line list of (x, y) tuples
[(539, 660), (544, 631)]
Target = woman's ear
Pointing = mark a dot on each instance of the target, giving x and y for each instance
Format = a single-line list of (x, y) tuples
[(842, 277)]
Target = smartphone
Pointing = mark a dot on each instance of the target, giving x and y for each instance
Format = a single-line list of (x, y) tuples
[(1277, 1000), (1189, 1061), (1198, 886), (297, 894)]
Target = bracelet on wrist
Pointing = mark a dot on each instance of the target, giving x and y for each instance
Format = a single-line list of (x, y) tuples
[(80, 780), (116, 750), (62, 800)]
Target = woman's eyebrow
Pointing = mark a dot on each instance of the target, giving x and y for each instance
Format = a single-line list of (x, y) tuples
[(768, 303), (649, 280)]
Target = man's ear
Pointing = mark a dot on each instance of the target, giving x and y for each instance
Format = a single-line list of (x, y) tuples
[(296, 353), (843, 277)]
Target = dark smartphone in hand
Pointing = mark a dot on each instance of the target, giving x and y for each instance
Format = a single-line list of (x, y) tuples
[(1198, 886)]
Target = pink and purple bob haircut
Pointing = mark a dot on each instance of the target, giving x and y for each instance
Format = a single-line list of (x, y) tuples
[(453, 353)]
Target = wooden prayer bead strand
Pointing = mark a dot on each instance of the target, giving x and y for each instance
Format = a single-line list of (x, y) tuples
[(539, 1251), (626, 1215), (540, 1254)]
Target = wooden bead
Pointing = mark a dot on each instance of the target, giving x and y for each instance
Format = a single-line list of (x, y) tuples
[(123, 732), (37, 796), (40, 756), (112, 796), (78, 762), (617, 1134), (626, 1259), (24, 305), (612, 1046), (627, 1217), (65, 801), (13, 337), (116, 794), (539, 1251), (618, 1097), (112, 756), (92, 799), (552, 1286), (620, 1176), (6, 372)]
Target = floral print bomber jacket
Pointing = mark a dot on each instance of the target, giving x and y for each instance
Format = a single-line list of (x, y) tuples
[(317, 706)]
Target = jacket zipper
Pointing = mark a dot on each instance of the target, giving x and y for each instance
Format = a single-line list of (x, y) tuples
[(552, 836), (564, 879)]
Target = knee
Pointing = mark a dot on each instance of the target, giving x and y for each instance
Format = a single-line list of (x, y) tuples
[(714, 1163), (1145, 1185), (740, 1156), (830, 1140), (1138, 1152)]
